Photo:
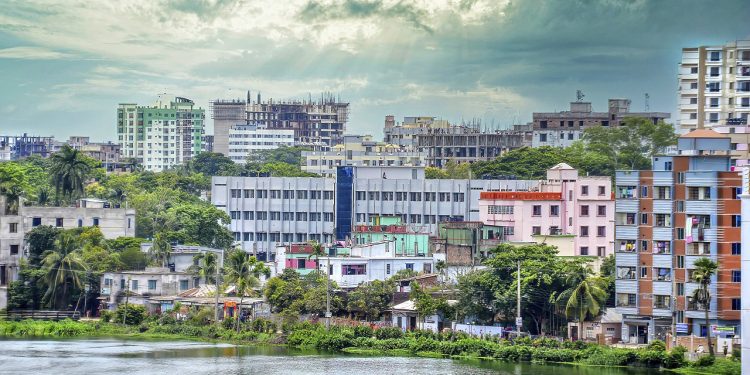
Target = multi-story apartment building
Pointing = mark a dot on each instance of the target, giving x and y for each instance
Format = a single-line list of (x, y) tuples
[(15, 147), (561, 129), (108, 153), (163, 135), (576, 211), (320, 121), (359, 150), (267, 211), (714, 92), (685, 208), (113, 223), (246, 139), (140, 286), (443, 142)]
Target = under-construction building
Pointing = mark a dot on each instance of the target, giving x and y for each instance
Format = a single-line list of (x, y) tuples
[(321, 121)]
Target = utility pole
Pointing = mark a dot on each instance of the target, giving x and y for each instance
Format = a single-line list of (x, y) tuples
[(127, 294), (328, 292), (519, 321)]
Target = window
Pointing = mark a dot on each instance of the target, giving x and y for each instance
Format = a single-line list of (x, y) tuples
[(644, 191), (736, 248), (509, 231), (458, 197), (584, 250), (554, 210), (625, 192), (602, 190), (662, 220), (36, 221), (584, 190), (248, 193), (536, 231), (626, 246), (699, 193), (736, 221), (625, 218), (275, 215), (184, 284), (680, 289), (736, 304), (585, 210), (644, 272), (584, 231), (388, 269), (714, 55), (662, 274), (713, 102), (625, 300), (96, 222), (152, 285), (356, 269), (662, 192), (59, 222), (644, 245), (662, 302), (600, 251), (601, 210), (361, 195), (662, 247), (248, 215), (234, 215), (14, 249), (13, 227), (135, 284), (736, 276), (499, 210), (542, 137), (680, 261), (415, 197), (601, 231), (235, 193), (536, 210), (554, 230)]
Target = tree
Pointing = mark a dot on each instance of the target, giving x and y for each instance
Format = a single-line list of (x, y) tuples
[(704, 269), (585, 296), (243, 271), (607, 273), (284, 290), (160, 250), (69, 171), (204, 266), (39, 240), (317, 252), (434, 173), (371, 299), (13, 185), (213, 164), (452, 170), (63, 270), (203, 224), (632, 143)]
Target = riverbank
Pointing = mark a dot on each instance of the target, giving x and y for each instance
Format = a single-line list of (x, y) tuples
[(363, 340)]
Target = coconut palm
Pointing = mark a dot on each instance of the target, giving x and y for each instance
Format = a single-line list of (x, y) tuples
[(205, 267), (160, 250), (43, 196), (585, 295), (243, 271), (63, 268), (317, 252), (69, 171), (704, 269)]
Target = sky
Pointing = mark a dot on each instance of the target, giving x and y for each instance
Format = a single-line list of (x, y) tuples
[(66, 64)]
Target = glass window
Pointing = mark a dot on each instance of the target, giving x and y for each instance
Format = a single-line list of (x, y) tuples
[(152, 285), (584, 231), (554, 210), (536, 210), (355, 269)]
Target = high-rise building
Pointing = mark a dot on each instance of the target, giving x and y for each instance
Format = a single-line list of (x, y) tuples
[(714, 92), (246, 139), (163, 135), (317, 122), (561, 129), (683, 209)]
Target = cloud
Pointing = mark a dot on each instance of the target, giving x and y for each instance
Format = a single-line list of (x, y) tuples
[(357, 9), (32, 53)]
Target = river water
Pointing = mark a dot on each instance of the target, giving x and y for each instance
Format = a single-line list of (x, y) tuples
[(114, 356)]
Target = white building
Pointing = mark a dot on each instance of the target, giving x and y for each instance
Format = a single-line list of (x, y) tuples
[(267, 211), (246, 139), (363, 263), (358, 150), (745, 269), (142, 285), (163, 135), (113, 223)]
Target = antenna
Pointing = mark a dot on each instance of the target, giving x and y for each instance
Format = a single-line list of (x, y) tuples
[(647, 97), (579, 95)]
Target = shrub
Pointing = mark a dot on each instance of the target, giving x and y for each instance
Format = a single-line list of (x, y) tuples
[(363, 331), (657, 345), (105, 315), (554, 355), (133, 314), (650, 358), (545, 342), (675, 358), (608, 356), (228, 323), (201, 317), (388, 333), (704, 361)]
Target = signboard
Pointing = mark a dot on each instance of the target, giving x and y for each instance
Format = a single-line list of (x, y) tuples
[(681, 328), (725, 331), (519, 321)]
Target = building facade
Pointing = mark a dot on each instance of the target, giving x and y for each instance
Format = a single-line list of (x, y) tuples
[(358, 150), (15, 147), (113, 223), (684, 209), (246, 139), (161, 136), (108, 153), (714, 92), (267, 211), (561, 129), (140, 286), (580, 208)]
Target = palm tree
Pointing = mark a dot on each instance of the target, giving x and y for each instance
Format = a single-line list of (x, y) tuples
[(585, 296), (704, 269), (42, 196), (160, 250), (63, 268), (69, 171), (205, 267), (243, 271), (317, 252)]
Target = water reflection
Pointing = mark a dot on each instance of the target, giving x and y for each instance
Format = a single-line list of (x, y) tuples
[(182, 357)]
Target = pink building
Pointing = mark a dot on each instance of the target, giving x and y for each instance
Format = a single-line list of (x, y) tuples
[(574, 213)]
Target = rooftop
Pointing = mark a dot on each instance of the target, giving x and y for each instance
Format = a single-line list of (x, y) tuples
[(703, 133)]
